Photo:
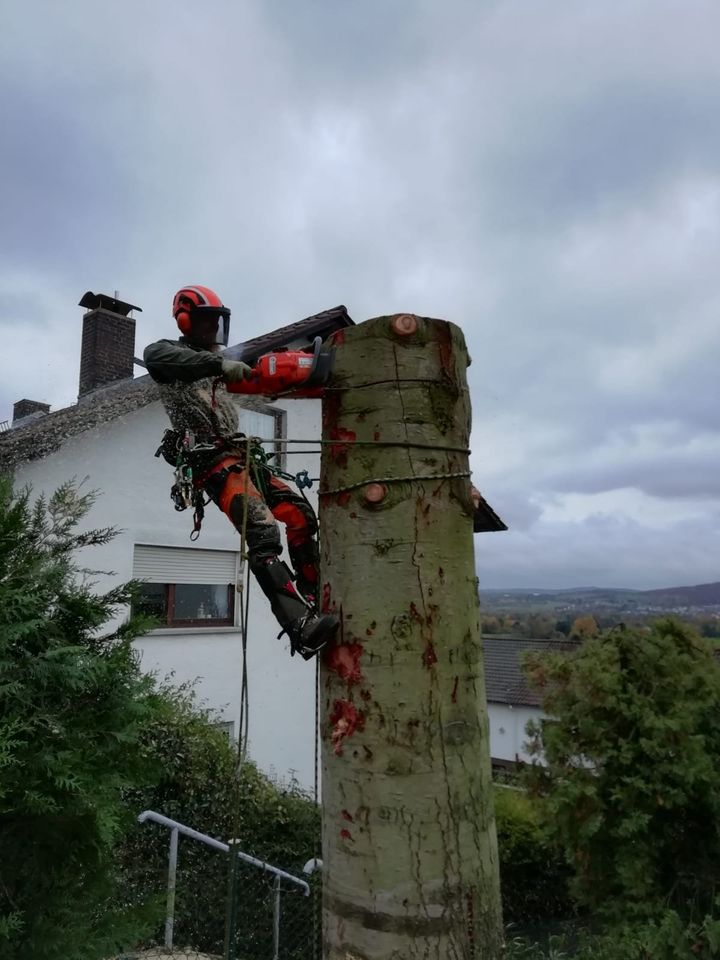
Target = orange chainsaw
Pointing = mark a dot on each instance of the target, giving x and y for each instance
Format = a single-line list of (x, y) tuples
[(293, 373)]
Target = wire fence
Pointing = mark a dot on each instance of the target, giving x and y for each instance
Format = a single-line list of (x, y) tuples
[(254, 911)]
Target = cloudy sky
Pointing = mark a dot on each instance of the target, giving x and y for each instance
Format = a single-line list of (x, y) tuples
[(546, 174)]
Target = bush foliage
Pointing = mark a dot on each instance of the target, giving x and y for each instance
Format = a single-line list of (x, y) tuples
[(73, 705), (534, 878), (200, 786), (632, 782), (87, 741)]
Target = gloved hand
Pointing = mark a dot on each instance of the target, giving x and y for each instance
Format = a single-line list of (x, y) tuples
[(235, 370)]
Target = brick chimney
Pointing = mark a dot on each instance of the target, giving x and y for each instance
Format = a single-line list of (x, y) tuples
[(24, 408), (108, 342)]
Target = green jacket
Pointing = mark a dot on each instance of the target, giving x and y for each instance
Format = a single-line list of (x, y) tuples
[(192, 393), (171, 360)]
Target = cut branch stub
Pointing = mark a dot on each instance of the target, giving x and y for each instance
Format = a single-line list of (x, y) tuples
[(375, 493), (404, 324)]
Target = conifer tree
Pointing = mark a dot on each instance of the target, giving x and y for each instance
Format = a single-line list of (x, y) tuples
[(73, 705)]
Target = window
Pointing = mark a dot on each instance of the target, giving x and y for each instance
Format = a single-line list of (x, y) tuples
[(227, 727), (188, 604), (267, 423), (186, 586)]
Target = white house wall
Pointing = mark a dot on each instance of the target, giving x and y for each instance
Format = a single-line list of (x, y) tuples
[(118, 461), (507, 731)]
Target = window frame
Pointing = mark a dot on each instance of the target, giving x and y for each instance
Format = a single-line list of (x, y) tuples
[(204, 623)]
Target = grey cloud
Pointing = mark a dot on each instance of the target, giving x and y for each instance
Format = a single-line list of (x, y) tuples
[(603, 551), (514, 168), (680, 473)]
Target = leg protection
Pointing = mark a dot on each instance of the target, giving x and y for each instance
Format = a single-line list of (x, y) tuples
[(301, 524), (276, 583), (308, 631), (242, 503), (305, 560)]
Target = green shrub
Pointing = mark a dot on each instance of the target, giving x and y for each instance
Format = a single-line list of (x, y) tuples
[(632, 781), (73, 704), (667, 937), (198, 787), (533, 876)]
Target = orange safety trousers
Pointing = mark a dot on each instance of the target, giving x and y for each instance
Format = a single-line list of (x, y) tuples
[(260, 517)]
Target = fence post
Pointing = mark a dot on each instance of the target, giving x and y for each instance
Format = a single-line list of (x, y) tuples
[(232, 898), (276, 919), (172, 874)]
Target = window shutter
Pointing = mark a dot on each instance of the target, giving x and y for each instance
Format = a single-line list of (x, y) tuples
[(184, 565)]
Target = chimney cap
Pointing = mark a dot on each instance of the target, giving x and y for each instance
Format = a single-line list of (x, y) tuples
[(92, 301)]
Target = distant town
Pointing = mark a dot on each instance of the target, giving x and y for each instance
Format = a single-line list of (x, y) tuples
[(547, 613)]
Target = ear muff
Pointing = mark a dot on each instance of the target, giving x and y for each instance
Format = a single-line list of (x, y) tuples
[(183, 315), (182, 318)]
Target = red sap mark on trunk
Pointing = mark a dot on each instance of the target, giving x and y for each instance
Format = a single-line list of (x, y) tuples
[(376, 435), (453, 696), (344, 660), (326, 595), (342, 499), (338, 338), (429, 657), (346, 835), (445, 348), (330, 411), (346, 815), (345, 720), (339, 449), (471, 920), (414, 614)]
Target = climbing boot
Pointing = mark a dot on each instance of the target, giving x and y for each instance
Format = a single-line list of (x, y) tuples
[(309, 634), (277, 584)]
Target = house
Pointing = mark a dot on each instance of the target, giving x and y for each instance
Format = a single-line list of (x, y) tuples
[(109, 437), (511, 702)]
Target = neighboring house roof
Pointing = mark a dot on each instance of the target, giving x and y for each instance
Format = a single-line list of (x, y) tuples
[(37, 436), (504, 680), (485, 519), (297, 334)]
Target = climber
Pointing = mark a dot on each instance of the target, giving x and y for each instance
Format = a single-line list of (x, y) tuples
[(189, 373)]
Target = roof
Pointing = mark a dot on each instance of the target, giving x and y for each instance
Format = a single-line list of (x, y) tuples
[(302, 333), (95, 301), (504, 680), (36, 437), (485, 520)]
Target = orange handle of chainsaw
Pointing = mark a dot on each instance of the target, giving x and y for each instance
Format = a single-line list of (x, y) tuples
[(282, 373)]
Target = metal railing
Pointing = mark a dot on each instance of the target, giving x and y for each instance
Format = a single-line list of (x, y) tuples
[(279, 875)]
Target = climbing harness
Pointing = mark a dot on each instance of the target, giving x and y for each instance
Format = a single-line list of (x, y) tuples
[(176, 448), (181, 451)]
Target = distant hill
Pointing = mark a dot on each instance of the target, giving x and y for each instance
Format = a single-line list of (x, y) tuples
[(619, 599), (703, 594)]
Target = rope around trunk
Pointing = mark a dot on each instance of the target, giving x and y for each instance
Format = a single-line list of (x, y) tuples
[(364, 483)]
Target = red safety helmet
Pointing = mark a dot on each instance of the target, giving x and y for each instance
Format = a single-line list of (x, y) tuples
[(198, 311)]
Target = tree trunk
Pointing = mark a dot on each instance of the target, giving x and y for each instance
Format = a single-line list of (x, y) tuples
[(409, 846)]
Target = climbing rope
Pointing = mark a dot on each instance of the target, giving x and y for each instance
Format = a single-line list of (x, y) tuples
[(243, 589), (413, 478), (363, 443)]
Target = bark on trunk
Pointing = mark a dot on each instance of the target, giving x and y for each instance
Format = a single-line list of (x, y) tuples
[(409, 846)]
